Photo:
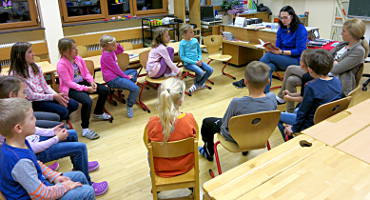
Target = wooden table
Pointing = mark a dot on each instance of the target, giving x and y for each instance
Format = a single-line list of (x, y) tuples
[(290, 171), (336, 166)]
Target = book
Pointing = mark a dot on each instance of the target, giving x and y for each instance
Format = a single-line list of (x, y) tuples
[(268, 45)]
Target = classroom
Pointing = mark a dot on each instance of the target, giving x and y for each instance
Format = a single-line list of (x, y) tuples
[(191, 99)]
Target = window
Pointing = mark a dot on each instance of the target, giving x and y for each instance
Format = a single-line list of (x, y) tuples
[(17, 13), (80, 10)]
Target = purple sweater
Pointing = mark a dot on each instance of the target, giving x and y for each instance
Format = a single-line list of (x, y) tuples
[(109, 66), (34, 139)]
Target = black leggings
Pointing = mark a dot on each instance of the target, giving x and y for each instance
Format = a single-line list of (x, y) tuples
[(210, 127), (86, 101)]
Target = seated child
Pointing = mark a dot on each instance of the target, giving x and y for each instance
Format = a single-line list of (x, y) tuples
[(256, 78), (191, 55), (43, 97), (55, 143), (112, 73), (291, 97), (322, 89), (22, 176), (76, 81), (11, 86), (160, 59), (171, 125)]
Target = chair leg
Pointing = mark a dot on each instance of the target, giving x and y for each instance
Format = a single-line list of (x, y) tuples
[(275, 87), (111, 101), (70, 126), (227, 74), (268, 145), (217, 157), (364, 85), (286, 137), (139, 101)]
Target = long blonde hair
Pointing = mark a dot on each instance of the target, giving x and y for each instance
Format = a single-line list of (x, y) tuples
[(356, 27), (170, 96), (158, 37)]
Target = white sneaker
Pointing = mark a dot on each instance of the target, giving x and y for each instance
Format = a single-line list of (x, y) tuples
[(104, 116), (192, 89), (280, 100), (90, 134)]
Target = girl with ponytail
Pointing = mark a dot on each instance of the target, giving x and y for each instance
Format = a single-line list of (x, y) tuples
[(171, 125)]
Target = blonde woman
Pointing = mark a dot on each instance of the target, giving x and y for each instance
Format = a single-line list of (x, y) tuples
[(172, 125), (112, 73), (160, 60)]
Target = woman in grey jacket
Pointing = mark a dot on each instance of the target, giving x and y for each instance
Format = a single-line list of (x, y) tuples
[(348, 56)]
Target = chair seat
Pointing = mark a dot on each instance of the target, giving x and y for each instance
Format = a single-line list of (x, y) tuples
[(183, 178), (156, 80), (230, 146), (220, 57)]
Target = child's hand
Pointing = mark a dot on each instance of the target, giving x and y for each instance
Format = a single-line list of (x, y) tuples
[(288, 130), (199, 63), (286, 92), (60, 99), (62, 134), (72, 184), (62, 179), (91, 89), (93, 85), (288, 97), (65, 96), (130, 77)]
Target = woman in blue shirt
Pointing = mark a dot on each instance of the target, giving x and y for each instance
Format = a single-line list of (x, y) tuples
[(291, 40)]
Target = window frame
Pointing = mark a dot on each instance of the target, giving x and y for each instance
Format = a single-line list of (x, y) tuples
[(32, 23), (105, 12)]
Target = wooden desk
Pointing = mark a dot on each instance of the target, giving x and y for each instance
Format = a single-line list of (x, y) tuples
[(262, 15), (290, 171)]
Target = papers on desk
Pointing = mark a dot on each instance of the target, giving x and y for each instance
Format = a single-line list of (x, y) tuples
[(133, 55)]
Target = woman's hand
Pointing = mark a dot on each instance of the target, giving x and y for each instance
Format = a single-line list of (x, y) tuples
[(276, 51), (288, 130), (91, 89), (93, 85)]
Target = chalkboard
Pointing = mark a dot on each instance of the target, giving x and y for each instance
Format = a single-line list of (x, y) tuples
[(359, 9)]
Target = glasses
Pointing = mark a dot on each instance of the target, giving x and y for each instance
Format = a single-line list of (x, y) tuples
[(285, 17)]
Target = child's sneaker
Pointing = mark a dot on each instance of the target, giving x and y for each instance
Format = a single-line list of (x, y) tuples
[(130, 112), (104, 116), (92, 166), (192, 89), (54, 166), (100, 188), (90, 134), (203, 152), (202, 86)]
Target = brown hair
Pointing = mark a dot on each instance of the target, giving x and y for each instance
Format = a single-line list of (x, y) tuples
[(65, 44), (356, 27), (12, 112), (18, 63), (158, 37), (9, 84), (257, 74), (306, 55), (320, 61)]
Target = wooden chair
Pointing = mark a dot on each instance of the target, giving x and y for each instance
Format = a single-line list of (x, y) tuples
[(172, 150), (250, 131), (2, 197), (187, 73), (329, 109), (213, 45), (90, 67), (36, 59), (127, 45), (82, 51)]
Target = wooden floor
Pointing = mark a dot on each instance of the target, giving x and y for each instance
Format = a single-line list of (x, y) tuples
[(121, 151)]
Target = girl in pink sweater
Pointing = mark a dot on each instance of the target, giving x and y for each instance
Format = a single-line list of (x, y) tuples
[(112, 73), (76, 81), (160, 60)]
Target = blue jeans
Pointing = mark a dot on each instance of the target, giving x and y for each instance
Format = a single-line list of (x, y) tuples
[(277, 62), (126, 84), (202, 73), (287, 118), (85, 192), (55, 107), (77, 151), (46, 119)]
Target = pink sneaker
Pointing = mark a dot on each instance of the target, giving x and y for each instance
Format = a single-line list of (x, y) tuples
[(92, 166), (54, 166), (100, 188)]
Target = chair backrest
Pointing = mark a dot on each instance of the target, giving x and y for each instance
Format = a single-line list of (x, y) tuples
[(251, 131), (123, 60), (143, 57), (82, 51), (2, 197), (359, 73), (213, 43), (36, 59), (355, 91), (127, 45), (329, 109), (90, 67)]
